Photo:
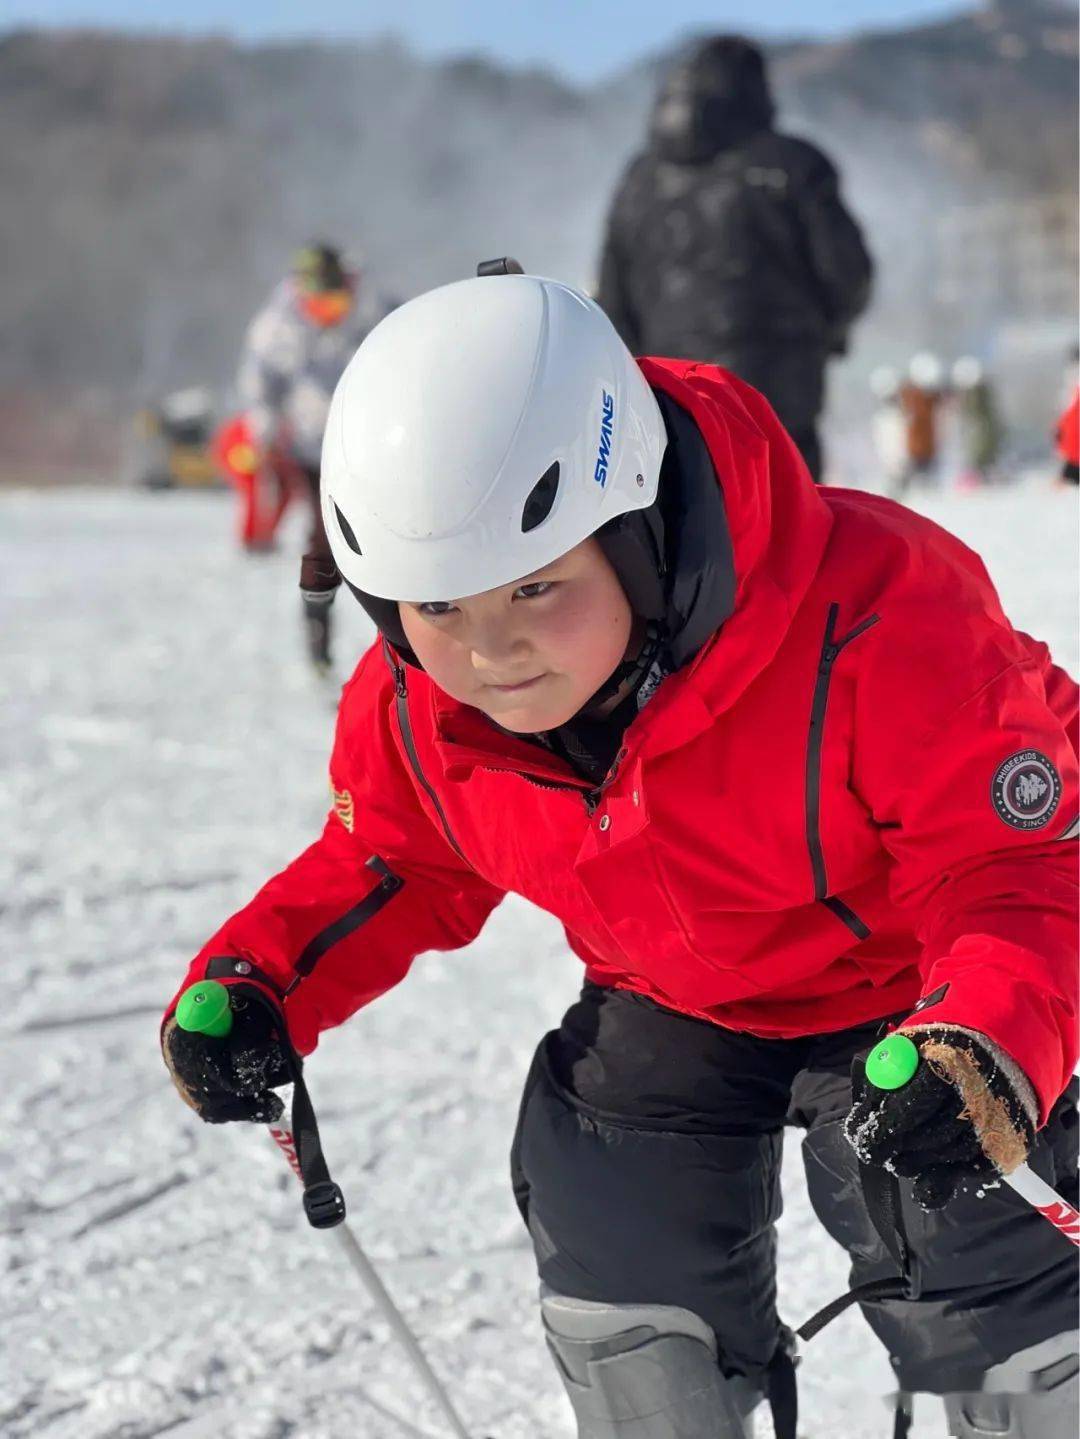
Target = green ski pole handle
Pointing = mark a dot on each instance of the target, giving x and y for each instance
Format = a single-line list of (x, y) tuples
[(204, 1008), (892, 1063)]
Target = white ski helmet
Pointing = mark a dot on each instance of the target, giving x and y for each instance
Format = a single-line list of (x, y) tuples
[(884, 382), (480, 431), (926, 371), (967, 372)]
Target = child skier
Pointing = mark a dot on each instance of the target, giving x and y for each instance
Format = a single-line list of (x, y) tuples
[(780, 764)]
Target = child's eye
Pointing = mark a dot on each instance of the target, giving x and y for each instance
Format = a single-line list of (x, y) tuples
[(533, 591), (434, 609)]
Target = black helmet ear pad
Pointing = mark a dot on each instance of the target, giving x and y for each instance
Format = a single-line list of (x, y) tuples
[(633, 545), (384, 615)]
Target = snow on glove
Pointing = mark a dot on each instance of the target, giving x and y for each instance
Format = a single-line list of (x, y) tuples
[(969, 1112), (232, 1077)]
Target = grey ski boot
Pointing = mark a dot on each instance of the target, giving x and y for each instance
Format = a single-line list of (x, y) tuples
[(1035, 1394), (644, 1371)]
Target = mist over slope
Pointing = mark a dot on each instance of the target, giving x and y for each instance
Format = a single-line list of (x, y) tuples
[(154, 186)]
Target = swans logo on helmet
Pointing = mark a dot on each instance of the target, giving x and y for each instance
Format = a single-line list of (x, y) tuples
[(607, 421)]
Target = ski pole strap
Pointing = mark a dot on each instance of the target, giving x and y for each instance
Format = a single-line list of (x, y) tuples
[(881, 1194), (324, 1203), (782, 1393), (874, 1289)]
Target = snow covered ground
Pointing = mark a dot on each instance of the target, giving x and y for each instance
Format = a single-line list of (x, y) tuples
[(163, 751)]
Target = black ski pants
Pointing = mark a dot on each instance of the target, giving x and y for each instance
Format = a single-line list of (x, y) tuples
[(646, 1165)]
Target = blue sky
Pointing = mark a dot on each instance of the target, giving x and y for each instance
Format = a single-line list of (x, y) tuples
[(582, 38)]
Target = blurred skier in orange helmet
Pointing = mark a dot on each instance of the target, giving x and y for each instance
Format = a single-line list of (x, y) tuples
[(295, 352)]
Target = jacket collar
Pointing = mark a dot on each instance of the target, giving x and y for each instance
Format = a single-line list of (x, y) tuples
[(778, 523)]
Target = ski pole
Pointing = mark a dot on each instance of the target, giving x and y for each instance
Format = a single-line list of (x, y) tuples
[(369, 1277), (205, 1008), (892, 1063)]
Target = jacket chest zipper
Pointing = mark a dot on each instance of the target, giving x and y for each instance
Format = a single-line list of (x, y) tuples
[(401, 698), (830, 651)]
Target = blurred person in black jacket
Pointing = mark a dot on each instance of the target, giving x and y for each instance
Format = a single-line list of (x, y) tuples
[(728, 242)]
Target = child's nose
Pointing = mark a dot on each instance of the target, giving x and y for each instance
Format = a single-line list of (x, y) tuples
[(494, 644)]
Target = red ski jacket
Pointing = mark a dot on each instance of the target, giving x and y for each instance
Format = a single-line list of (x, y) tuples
[(854, 796)]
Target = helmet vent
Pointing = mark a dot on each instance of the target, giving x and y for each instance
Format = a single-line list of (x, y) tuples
[(538, 505), (347, 532)]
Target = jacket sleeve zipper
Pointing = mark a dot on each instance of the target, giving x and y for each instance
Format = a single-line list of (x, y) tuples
[(352, 920)]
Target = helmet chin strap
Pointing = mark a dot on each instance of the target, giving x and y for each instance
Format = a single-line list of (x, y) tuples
[(629, 672)]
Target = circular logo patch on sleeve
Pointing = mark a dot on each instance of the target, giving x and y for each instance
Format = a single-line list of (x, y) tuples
[(1026, 790)]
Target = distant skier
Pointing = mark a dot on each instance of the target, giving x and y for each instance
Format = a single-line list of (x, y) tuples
[(921, 396), (294, 355), (729, 242), (787, 776), (975, 410)]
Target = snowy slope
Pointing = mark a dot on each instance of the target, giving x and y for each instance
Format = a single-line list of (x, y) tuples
[(164, 751)]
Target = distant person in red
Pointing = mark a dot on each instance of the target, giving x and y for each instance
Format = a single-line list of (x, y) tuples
[(265, 482), (1068, 441)]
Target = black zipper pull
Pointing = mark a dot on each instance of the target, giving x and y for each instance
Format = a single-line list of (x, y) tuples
[(389, 882)]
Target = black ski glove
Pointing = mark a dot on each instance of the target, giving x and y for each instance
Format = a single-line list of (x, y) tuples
[(232, 1078), (967, 1114)]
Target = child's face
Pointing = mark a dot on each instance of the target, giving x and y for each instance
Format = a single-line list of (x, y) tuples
[(531, 653)]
